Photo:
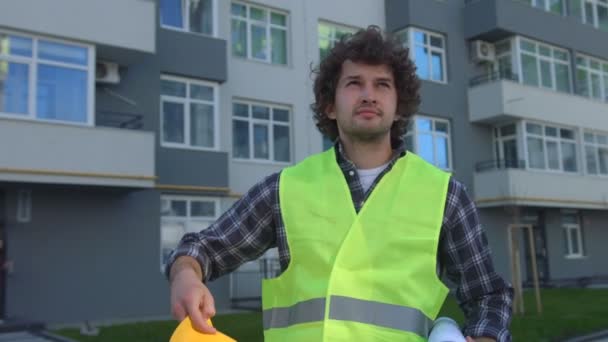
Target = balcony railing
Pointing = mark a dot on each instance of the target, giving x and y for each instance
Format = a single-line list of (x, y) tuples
[(498, 164), (119, 119), (494, 76)]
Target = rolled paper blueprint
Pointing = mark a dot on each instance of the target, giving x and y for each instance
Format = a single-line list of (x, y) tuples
[(446, 329)]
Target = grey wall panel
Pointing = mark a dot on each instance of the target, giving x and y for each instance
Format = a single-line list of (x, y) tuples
[(397, 14), (192, 55), (86, 255), (494, 222), (198, 168), (561, 267), (595, 230)]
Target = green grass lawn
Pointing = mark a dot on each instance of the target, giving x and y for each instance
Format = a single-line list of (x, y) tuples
[(567, 312)]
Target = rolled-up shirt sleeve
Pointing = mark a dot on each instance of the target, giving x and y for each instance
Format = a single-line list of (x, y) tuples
[(483, 295)]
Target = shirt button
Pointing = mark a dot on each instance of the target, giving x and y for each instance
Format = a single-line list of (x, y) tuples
[(351, 173)]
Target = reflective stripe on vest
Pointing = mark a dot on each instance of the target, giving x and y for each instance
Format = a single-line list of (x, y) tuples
[(349, 309)]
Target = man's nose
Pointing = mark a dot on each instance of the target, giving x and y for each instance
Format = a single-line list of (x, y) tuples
[(368, 94)]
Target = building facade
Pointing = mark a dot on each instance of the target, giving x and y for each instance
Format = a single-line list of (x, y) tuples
[(115, 140)]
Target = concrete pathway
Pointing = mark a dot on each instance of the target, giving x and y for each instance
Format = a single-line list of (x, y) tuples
[(22, 336), (600, 336)]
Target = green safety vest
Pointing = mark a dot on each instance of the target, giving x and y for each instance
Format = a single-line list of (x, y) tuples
[(367, 276)]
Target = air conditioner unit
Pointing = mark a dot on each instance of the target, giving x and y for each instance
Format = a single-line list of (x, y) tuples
[(106, 72), (482, 51)]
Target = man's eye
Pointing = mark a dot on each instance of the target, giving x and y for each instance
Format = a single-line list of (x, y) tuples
[(352, 82), (385, 85)]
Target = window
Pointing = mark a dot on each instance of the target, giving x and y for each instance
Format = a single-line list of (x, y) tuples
[(554, 6), (551, 148), (503, 64), (505, 146), (181, 215), (573, 236), (188, 15), (189, 113), (544, 66), (46, 79), (428, 51), (259, 33), (261, 132), (595, 12), (596, 153), (329, 35), (592, 77), (430, 138)]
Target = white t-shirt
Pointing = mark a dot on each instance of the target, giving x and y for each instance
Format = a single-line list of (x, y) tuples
[(367, 176)]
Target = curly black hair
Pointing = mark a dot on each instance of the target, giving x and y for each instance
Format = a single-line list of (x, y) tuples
[(371, 47)]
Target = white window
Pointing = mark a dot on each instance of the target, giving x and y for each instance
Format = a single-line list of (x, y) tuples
[(596, 153), (430, 138), (544, 65), (188, 15), (554, 6), (181, 215), (259, 33), (595, 12), (44, 79), (329, 35), (503, 64), (505, 147), (189, 113), (261, 132), (592, 77), (551, 148), (428, 51), (573, 236)]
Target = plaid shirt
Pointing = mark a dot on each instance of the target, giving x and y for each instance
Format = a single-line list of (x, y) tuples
[(254, 224)]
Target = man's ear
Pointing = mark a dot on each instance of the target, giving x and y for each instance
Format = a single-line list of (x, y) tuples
[(329, 110)]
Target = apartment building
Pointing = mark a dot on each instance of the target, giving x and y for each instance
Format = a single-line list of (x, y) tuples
[(126, 124)]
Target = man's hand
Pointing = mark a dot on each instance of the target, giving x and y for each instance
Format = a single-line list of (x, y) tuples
[(190, 297), (480, 339)]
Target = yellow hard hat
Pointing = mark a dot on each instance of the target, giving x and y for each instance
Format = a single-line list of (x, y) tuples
[(185, 333)]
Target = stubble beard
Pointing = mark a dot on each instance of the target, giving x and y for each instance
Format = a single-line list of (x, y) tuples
[(368, 135)]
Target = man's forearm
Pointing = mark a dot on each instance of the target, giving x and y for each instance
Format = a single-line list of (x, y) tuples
[(185, 262)]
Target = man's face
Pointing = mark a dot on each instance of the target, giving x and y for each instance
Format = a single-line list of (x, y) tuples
[(365, 102)]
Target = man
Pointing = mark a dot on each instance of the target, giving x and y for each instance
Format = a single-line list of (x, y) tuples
[(362, 230)]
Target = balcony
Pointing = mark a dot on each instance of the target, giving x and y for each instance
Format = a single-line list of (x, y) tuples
[(496, 99), (121, 24), (504, 182), (38, 152), (492, 20)]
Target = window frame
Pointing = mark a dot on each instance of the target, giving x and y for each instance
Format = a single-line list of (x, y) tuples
[(595, 4), (410, 43), (186, 24), (33, 63), (499, 140), (413, 131), (270, 123), (602, 73), (332, 38), (187, 101), (538, 58), (596, 146), (547, 7), (557, 140), (268, 25), (188, 220)]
